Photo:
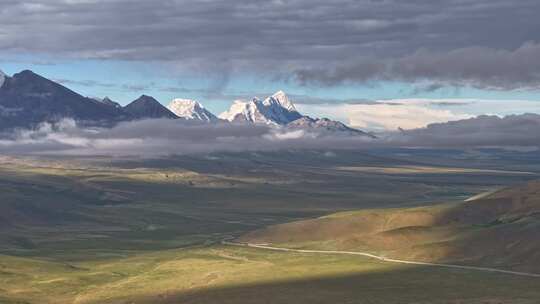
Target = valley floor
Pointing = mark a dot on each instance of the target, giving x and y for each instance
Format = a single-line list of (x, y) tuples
[(219, 274), (111, 231)]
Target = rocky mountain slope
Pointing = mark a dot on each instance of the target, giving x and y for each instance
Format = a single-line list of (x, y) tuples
[(110, 102), (325, 125), (148, 107), (27, 99)]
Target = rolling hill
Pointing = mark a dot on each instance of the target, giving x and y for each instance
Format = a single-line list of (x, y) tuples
[(499, 229)]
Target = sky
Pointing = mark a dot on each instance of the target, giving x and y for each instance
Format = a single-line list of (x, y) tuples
[(374, 64)]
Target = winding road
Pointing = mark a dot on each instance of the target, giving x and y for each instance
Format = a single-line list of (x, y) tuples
[(381, 258)]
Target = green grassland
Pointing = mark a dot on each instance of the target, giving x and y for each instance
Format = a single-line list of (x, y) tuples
[(219, 274), (149, 231)]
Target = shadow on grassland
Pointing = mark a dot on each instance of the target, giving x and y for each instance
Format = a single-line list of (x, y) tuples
[(406, 285)]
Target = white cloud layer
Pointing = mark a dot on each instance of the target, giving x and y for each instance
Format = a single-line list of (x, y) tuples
[(385, 117), (390, 115), (163, 137), (155, 137)]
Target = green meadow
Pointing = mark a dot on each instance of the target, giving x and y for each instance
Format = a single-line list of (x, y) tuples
[(150, 231)]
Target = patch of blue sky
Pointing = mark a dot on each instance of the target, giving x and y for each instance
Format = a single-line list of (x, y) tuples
[(124, 81)]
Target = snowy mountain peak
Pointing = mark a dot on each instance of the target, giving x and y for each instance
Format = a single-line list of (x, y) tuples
[(274, 110), (282, 99), (245, 111), (191, 110)]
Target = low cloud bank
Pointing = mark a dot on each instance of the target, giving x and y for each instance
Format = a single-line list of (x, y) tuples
[(156, 137), (414, 113), (162, 137), (385, 115), (482, 131)]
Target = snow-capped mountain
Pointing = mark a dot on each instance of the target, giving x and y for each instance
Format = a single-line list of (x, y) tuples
[(191, 110), (274, 110), (278, 110), (280, 100), (246, 111)]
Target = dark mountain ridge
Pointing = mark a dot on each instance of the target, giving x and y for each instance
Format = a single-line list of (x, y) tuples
[(27, 99), (148, 107)]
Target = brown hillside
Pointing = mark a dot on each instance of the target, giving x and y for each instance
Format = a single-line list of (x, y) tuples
[(498, 230)]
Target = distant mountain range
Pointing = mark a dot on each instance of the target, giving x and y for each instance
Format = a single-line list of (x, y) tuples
[(28, 99)]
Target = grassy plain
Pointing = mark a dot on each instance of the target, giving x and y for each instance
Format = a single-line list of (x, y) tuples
[(149, 231), (220, 274)]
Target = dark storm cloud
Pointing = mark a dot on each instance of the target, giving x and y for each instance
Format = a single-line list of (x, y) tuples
[(478, 67), (482, 43), (483, 131)]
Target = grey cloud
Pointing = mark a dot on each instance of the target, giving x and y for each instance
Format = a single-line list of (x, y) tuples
[(477, 67), (155, 137), (454, 41), (137, 87), (483, 131), (296, 98), (127, 87), (450, 104), (306, 99), (428, 88), (85, 83), (162, 137)]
